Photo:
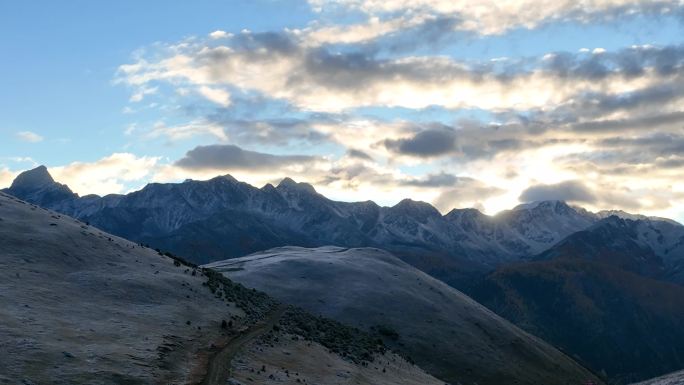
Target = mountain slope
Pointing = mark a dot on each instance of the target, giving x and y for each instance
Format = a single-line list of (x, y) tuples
[(444, 331), (653, 248), (81, 306), (602, 294), (628, 326)]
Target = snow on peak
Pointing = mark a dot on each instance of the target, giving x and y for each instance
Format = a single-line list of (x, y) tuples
[(290, 185)]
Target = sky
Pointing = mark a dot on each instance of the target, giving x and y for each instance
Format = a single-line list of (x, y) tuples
[(459, 104)]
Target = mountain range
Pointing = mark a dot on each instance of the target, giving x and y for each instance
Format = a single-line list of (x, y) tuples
[(574, 278), (79, 305), (223, 218)]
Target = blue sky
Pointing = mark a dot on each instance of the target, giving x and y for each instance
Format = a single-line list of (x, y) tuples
[(429, 99), (62, 58)]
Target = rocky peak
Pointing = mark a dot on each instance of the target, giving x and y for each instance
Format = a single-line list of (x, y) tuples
[(549, 209), (469, 214), (290, 185), (551, 205), (616, 226), (34, 179), (37, 186), (415, 209)]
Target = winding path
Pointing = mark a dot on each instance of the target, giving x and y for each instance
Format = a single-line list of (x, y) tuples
[(218, 370)]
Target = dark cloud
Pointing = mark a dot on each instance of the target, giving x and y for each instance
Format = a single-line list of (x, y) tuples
[(255, 119), (629, 62), (572, 191), (274, 42), (671, 162), (619, 155), (357, 70), (228, 156), (352, 175), (622, 155), (661, 143), (427, 143), (598, 104), (433, 180), (272, 131), (640, 122), (434, 33), (358, 154)]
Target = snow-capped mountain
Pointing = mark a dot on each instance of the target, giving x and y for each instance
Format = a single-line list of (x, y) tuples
[(526, 230), (222, 218), (611, 294), (545, 266), (646, 246)]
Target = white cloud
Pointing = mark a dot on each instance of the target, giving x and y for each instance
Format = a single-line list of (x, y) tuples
[(141, 92), (130, 129), (188, 130), (6, 177), (218, 34), (331, 82), (490, 17), (28, 136), (358, 33), (107, 175), (216, 95)]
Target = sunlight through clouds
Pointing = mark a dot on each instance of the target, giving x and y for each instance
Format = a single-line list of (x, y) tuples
[(455, 103)]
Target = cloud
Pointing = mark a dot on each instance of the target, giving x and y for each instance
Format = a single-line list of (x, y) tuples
[(141, 92), (6, 177), (327, 80), (111, 174), (198, 127), (466, 192), (433, 180), (361, 33), (491, 17), (657, 157), (362, 97), (571, 191), (218, 34), (638, 122), (216, 95), (358, 154), (231, 157), (269, 131), (28, 136), (426, 143), (648, 147)]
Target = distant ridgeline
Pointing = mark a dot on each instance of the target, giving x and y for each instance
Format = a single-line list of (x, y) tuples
[(223, 218)]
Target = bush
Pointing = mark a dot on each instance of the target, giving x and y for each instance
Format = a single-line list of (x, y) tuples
[(387, 331)]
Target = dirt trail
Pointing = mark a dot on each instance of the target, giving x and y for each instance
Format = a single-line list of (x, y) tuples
[(218, 370)]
